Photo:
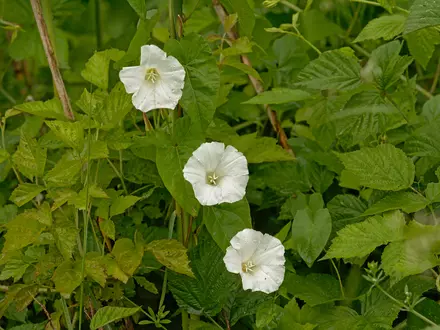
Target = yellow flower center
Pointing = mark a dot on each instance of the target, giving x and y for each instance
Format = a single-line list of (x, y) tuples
[(248, 267), (212, 179), (151, 75)]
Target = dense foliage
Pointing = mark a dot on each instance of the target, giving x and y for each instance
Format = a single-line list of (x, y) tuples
[(332, 102)]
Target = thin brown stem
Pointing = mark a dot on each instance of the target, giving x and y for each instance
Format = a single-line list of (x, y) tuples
[(148, 126), (44, 310), (435, 81), (258, 86), (51, 59)]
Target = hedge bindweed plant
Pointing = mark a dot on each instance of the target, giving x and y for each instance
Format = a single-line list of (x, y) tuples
[(198, 164)]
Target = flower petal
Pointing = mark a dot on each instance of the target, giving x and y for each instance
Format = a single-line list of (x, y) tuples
[(132, 77), (144, 98), (209, 155), (151, 55), (270, 252), (194, 172), (246, 243), (232, 261), (207, 194), (232, 163), (266, 279), (233, 188)]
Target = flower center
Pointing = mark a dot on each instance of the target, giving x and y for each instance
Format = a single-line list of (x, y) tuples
[(213, 179), (248, 267), (151, 75)]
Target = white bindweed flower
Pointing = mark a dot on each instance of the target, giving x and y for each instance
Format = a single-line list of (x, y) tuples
[(258, 258), (218, 175), (157, 82)]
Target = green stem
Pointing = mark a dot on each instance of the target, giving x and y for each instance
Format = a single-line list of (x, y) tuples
[(7, 96), (339, 278), (213, 321), (66, 314), (409, 309), (299, 35), (291, 6), (119, 175), (367, 2), (172, 19), (165, 277)]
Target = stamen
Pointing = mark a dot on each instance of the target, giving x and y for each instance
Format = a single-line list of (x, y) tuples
[(212, 179), (151, 75), (248, 267)]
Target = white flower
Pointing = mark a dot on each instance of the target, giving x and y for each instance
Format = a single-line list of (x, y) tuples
[(218, 175), (157, 82), (258, 258)]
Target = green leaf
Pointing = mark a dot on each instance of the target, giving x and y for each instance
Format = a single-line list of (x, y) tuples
[(311, 230), (345, 209), (385, 65), (259, 149), (122, 203), (200, 325), (279, 96), (95, 267), (202, 79), (212, 286), (107, 226), (360, 239), (424, 141), (7, 213), (29, 326), (67, 277), (245, 303), (422, 44), (23, 230), (4, 155), (386, 27), (97, 67), (25, 192), (66, 235), (128, 256), (139, 6), (242, 67), (432, 192), (14, 268), (384, 167), (422, 14), (428, 308), (147, 285), (409, 202), (172, 155), (225, 220), (109, 314), (314, 289), (414, 253), (246, 16), (115, 107), (65, 172), (70, 133), (49, 109), (171, 254), (431, 109), (332, 70), (30, 158)]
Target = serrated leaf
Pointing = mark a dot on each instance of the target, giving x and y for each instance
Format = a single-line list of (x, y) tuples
[(97, 67), (422, 14), (259, 149), (4, 155), (408, 202), (360, 239), (67, 276), (128, 256), (49, 109), (7, 213), (311, 230), (72, 134), (109, 314), (245, 303), (65, 234), (212, 286), (25, 192), (95, 267), (432, 192), (107, 226), (384, 167), (345, 209), (115, 107), (139, 6), (386, 65), (122, 203), (279, 96), (386, 27), (30, 158), (246, 17), (172, 155), (202, 78), (171, 254), (332, 70), (424, 141), (242, 67), (14, 268), (314, 289), (65, 172), (225, 220), (421, 44), (147, 285), (431, 109), (414, 253)]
